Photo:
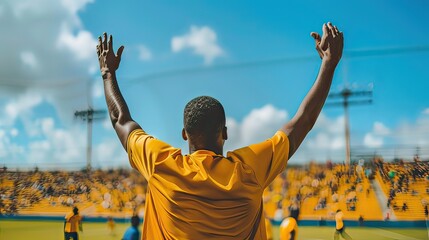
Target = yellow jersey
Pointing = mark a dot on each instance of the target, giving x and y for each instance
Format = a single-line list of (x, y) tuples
[(339, 220), (72, 222), (288, 225), (269, 229), (204, 195)]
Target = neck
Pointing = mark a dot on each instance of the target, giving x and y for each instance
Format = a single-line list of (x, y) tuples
[(216, 149)]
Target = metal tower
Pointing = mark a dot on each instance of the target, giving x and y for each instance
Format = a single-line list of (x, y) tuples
[(89, 116), (361, 97)]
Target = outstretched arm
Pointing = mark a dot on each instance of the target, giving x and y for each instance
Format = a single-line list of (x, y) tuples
[(330, 49), (118, 109)]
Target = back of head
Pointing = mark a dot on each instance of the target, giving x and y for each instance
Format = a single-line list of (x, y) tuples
[(135, 221), (75, 211), (204, 117)]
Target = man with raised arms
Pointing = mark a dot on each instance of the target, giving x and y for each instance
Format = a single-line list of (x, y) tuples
[(206, 194)]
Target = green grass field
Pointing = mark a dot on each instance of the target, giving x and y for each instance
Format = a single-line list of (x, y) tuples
[(49, 230)]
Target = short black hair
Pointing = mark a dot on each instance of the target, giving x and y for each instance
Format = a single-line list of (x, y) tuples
[(204, 116), (75, 210), (135, 221)]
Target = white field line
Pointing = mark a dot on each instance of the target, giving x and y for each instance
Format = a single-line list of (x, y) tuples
[(393, 235)]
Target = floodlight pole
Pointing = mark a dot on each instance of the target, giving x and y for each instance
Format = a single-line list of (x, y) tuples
[(346, 102), (347, 129), (89, 116)]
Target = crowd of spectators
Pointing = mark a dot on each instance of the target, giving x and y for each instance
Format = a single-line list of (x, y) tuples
[(410, 180), (122, 189), (111, 190), (316, 187), (401, 176)]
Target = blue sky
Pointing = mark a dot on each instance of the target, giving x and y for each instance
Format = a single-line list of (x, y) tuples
[(256, 57)]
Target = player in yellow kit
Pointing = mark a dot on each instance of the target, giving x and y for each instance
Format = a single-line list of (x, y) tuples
[(289, 229), (339, 226), (111, 225), (72, 224), (206, 194), (269, 228)]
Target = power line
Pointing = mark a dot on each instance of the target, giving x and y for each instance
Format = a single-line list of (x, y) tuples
[(356, 53), (370, 52), (277, 61), (39, 84)]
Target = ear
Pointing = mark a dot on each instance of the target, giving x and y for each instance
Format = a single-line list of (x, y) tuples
[(184, 136), (225, 133)]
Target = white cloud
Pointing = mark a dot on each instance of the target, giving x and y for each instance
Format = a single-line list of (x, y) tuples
[(373, 141), (47, 56), (82, 44), (426, 111), (105, 150), (257, 126), (327, 134), (57, 146), (338, 142), (380, 129), (4, 143), (98, 88), (144, 53), (109, 153), (69, 148), (375, 138), (14, 132), (332, 126), (38, 150), (29, 59), (261, 121), (9, 149), (202, 40), (321, 141), (405, 138), (47, 125), (75, 5), (22, 8), (325, 141), (3, 150), (107, 124), (415, 133), (327, 138), (47, 60), (20, 107), (46, 52)]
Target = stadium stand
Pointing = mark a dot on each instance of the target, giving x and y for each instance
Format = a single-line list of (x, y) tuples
[(406, 187), (314, 191), (103, 193), (320, 191)]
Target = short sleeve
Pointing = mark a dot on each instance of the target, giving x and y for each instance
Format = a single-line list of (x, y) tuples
[(68, 216), (267, 159), (144, 151)]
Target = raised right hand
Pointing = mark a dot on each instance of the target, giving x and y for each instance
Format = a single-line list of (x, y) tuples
[(109, 62), (330, 45)]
